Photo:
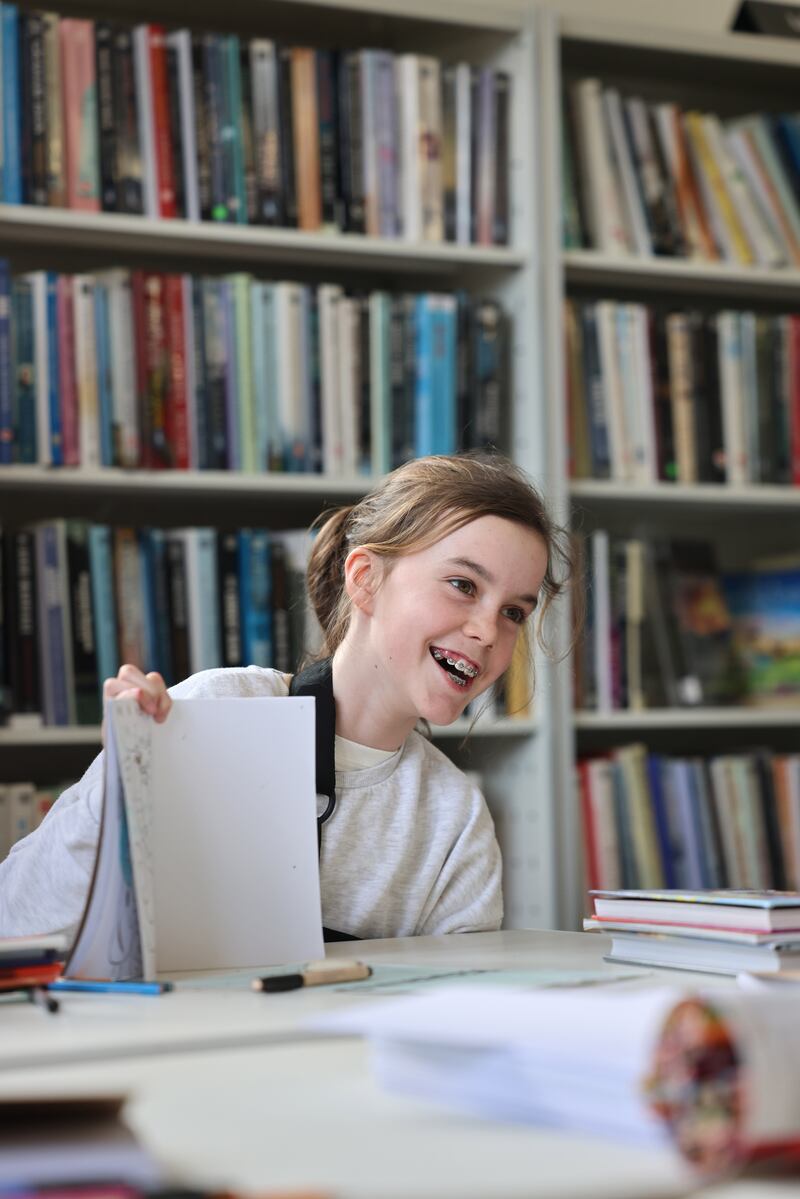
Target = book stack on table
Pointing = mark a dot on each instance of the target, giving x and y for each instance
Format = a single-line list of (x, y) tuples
[(718, 932)]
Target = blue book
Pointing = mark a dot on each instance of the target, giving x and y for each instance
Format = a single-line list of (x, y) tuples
[(10, 106), (105, 395), (24, 357), (665, 847), (53, 389), (689, 822), (595, 396), (255, 597), (424, 429), (6, 372), (103, 608), (231, 374), (261, 382), (443, 368), (200, 405)]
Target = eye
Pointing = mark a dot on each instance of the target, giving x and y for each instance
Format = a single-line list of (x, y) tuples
[(515, 614), (465, 586)]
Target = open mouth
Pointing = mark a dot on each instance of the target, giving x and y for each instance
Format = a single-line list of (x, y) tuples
[(458, 669)]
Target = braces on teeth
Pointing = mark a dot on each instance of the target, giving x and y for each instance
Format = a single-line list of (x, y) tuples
[(459, 663)]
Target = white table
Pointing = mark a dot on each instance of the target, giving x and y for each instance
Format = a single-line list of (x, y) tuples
[(277, 1111)]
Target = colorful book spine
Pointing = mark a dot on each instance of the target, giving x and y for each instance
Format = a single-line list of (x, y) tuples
[(104, 614), (79, 86), (11, 98), (56, 448)]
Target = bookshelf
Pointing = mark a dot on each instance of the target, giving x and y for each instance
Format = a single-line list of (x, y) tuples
[(729, 74), (512, 755)]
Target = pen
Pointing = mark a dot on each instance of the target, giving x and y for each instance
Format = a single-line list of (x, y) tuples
[(111, 988), (314, 975), (39, 996)]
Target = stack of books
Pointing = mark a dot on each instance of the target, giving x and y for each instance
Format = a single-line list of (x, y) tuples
[(715, 932), (27, 963)]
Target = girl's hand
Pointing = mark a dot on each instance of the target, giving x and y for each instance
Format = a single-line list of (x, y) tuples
[(149, 690)]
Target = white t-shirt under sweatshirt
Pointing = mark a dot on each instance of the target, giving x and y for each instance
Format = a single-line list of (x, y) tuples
[(409, 850)]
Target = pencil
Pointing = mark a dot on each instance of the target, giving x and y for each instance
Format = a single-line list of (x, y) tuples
[(111, 988)]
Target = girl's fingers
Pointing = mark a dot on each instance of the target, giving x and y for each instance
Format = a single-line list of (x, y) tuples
[(149, 690)]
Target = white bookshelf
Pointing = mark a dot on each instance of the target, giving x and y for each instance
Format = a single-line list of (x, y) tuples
[(514, 756), (742, 73)]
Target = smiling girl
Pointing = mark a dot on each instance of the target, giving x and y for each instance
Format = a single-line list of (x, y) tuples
[(422, 590)]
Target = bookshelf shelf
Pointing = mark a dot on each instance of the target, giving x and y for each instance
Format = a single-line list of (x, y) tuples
[(744, 49), (507, 726), (757, 498), (589, 268), (37, 229), (684, 718)]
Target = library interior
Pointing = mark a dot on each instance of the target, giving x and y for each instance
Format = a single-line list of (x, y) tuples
[(427, 373)]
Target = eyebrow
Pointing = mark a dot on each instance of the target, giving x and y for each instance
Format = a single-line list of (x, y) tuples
[(488, 577)]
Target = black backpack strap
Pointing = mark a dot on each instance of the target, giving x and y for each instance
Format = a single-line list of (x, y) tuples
[(317, 681)]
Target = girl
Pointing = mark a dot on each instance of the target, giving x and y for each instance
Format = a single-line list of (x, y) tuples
[(421, 590)]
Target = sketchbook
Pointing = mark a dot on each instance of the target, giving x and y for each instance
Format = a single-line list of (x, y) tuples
[(207, 856)]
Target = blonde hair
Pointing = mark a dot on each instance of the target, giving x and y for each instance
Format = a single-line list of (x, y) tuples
[(415, 506)]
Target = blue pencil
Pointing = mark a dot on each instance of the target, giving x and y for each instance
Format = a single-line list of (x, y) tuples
[(114, 988)]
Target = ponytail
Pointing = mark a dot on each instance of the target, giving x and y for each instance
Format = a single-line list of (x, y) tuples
[(325, 575)]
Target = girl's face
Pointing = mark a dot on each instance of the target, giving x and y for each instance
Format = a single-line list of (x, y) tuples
[(446, 618)]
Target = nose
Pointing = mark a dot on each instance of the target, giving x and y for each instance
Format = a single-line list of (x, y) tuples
[(481, 626)]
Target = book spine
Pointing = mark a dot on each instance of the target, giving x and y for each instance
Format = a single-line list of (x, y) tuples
[(105, 398), (680, 370), (449, 152), (106, 117), (104, 613), (86, 371), (410, 152), (201, 128), (305, 127), (156, 371), (54, 117), (38, 110), (286, 102), (175, 126), (502, 138), (352, 108), (24, 366), (327, 99), (386, 148), (233, 155), (128, 167), (80, 107), (166, 206), (248, 140), (177, 401), (255, 578), (144, 112), (215, 374), (266, 131), (122, 355), (55, 625), (191, 382), (429, 149), (240, 288), (178, 606), (130, 597), (229, 610), (231, 376), (53, 454), (11, 106), (83, 649), (22, 621)]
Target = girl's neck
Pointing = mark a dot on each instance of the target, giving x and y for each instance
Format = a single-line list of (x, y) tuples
[(364, 710)]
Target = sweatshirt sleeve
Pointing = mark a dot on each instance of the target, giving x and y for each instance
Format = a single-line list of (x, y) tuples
[(468, 897), (45, 879)]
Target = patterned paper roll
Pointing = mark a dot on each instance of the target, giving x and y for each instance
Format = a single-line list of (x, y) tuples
[(726, 1079)]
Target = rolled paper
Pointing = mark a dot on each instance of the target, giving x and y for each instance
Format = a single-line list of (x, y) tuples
[(725, 1078)]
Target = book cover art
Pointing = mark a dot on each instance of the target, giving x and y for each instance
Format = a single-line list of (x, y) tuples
[(765, 609)]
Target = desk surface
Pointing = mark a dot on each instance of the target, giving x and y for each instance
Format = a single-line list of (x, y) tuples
[(277, 1111)]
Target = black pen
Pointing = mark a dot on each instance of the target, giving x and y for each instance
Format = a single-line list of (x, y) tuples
[(314, 975), (40, 997)]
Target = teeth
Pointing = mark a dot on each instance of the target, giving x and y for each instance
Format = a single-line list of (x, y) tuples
[(438, 655), (458, 663)]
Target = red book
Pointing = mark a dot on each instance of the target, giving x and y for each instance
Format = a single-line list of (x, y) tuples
[(591, 856), (79, 101), (15, 977), (162, 137), (177, 424), (67, 378), (156, 362)]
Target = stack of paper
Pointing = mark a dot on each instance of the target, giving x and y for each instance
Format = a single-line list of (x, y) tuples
[(563, 1058), (717, 932)]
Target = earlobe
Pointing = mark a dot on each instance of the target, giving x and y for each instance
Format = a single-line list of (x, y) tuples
[(360, 577)]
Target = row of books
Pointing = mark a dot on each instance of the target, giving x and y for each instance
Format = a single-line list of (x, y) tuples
[(665, 627), (651, 820), (77, 600), (714, 931), (23, 807), (144, 369), (652, 179), (138, 119), (682, 396), (80, 599)]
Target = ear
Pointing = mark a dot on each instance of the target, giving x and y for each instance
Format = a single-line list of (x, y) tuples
[(361, 577)]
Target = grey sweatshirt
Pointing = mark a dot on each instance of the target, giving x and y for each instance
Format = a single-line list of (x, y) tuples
[(409, 850)]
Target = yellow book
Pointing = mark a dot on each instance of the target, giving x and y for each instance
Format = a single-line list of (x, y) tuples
[(519, 681), (720, 196)]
